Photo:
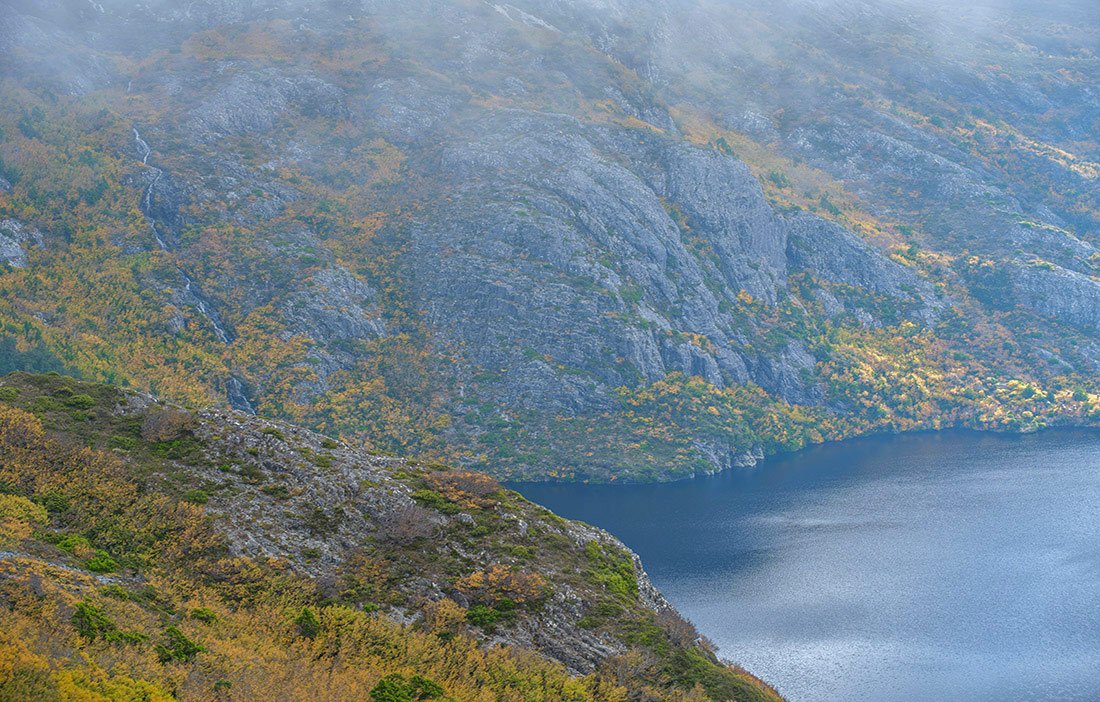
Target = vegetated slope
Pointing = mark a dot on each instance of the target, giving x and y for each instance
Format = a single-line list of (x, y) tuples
[(558, 239), (149, 552)]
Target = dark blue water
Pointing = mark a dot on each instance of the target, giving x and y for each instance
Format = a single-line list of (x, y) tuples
[(957, 566)]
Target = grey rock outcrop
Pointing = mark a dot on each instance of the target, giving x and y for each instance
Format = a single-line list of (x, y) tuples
[(1067, 296), (14, 237)]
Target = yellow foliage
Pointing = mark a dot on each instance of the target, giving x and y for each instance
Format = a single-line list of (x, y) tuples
[(501, 582)]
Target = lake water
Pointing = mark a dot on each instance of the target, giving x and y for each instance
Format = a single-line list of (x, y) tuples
[(957, 566)]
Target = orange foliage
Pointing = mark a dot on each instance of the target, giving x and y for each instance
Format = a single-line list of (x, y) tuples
[(500, 582)]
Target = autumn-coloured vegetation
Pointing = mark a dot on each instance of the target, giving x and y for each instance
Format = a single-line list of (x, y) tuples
[(77, 178), (116, 585)]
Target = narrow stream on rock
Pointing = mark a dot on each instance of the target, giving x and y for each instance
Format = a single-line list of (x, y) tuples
[(234, 387)]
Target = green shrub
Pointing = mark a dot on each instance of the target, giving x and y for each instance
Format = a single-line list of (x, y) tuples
[(279, 492), (196, 497), (92, 623), (272, 431), (204, 615), (321, 522), (398, 688), (432, 499), (79, 402), (612, 568), (114, 590), (483, 616), (779, 179), (487, 617), (8, 394), (251, 473), (72, 542), (126, 443), (308, 624), (177, 647), (54, 502), (176, 449), (329, 444), (101, 562)]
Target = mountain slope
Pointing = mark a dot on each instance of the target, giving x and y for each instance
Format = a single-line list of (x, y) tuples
[(148, 550), (559, 239)]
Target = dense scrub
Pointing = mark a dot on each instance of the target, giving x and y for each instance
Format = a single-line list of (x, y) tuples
[(145, 554)]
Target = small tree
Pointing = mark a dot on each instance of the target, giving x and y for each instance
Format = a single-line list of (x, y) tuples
[(308, 624)]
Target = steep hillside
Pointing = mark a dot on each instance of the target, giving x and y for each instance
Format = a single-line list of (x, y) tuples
[(149, 552), (559, 238)]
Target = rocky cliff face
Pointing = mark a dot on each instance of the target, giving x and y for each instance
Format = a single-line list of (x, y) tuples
[(542, 209)]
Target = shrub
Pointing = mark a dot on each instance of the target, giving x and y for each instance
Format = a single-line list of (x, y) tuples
[(318, 521), (196, 497), (501, 583), (18, 517), (363, 578), (101, 562), (406, 525), (398, 688), (779, 179), (114, 590), (431, 498), (329, 444), (79, 402), (176, 449), (680, 631), (308, 624), (177, 647), (487, 617), (8, 394), (466, 489), (92, 623), (444, 615), (126, 443), (76, 545), (613, 568), (204, 615), (279, 491), (272, 431), (166, 425), (251, 473)]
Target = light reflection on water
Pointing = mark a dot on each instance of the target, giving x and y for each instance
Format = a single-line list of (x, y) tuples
[(950, 566)]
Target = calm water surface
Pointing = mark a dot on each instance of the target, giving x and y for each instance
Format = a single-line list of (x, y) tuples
[(955, 566)]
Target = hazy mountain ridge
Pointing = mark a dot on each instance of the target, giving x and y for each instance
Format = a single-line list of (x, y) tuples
[(515, 233)]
